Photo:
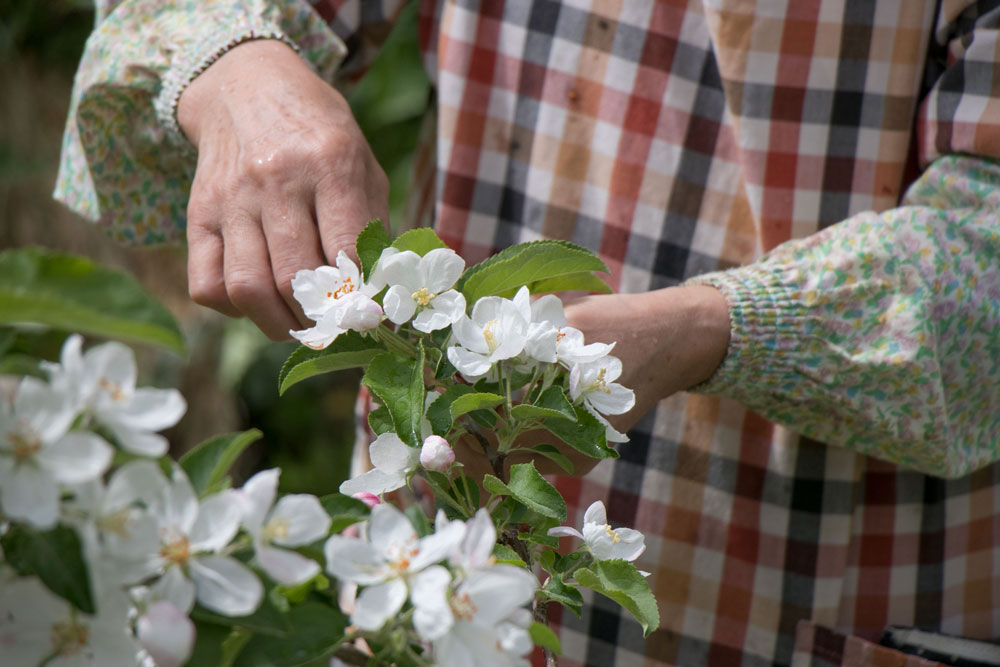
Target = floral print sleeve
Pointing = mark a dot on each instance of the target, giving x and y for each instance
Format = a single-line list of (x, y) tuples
[(880, 333), (124, 163)]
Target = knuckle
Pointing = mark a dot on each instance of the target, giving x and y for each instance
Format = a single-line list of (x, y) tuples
[(244, 286), (208, 293)]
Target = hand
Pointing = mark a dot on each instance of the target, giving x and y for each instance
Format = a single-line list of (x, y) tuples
[(668, 340), (284, 181)]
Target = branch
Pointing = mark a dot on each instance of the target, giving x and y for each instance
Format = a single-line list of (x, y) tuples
[(352, 656), (541, 615)]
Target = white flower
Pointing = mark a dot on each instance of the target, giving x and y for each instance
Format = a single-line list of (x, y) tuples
[(603, 541), (436, 454), (550, 338), (296, 520), (166, 633), (594, 384), (191, 536), (38, 452), (394, 462), (337, 300), (420, 285), (481, 622), (36, 624), (496, 331), (104, 378), (475, 551), (384, 564)]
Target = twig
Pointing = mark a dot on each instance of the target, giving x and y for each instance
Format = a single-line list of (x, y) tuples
[(352, 656), (541, 615)]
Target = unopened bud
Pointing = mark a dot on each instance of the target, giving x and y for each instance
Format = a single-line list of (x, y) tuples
[(436, 454)]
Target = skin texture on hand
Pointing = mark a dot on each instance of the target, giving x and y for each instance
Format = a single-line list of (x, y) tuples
[(668, 340), (285, 179)]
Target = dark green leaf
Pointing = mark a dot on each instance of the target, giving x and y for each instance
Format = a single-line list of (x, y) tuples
[(316, 632), (553, 454), (208, 463), (56, 556), (621, 582), (208, 641), (420, 241), (344, 511), (76, 294), (586, 434), (349, 350), (478, 401), (469, 488), (585, 281), (419, 520), (439, 412), (551, 404), (372, 240), (539, 538), (530, 488), (380, 421), (568, 596), (396, 381), (505, 554), (266, 620), (543, 636), (524, 264)]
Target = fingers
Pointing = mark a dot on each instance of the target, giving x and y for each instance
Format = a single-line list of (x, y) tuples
[(346, 203), (206, 283), (293, 244), (250, 282)]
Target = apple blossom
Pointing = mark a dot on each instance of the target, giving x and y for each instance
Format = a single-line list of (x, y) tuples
[(166, 633), (386, 561), (436, 454), (497, 330), (337, 300), (38, 452), (420, 285), (594, 384), (603, 541), (294, 521), (394, 462)]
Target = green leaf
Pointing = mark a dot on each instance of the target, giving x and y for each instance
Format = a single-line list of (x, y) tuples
[(348, 350), (76, 294), (56, 556), (316, 632), (478, 401), (208, 463), (552, 403), (380, 421), (584, 281), (208, 642), (419, 520), (568, 596), (553, 454), (539, 538), (505, 554), (439, 412), (398, 384), (344, 511), (524, 264), (530, 488), (586, 434), (420, 241), (469, 489), (543, 636), (493, 485), (266, 620), (621, 582), (372, 240)]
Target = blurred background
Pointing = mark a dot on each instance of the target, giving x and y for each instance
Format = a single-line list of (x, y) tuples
[(230, 374)]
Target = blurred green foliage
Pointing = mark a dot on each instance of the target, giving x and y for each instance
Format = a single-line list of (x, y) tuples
[(51, 31)]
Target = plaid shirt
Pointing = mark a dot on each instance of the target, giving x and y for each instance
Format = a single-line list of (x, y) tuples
[(678, 139)]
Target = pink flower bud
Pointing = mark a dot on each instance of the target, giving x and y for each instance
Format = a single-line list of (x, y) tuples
[(436, 454), (369, 499)]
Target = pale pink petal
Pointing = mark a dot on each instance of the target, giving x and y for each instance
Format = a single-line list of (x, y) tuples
[(166, 633)]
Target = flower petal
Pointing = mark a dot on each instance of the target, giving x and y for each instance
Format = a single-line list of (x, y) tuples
[(390, 454), (354, 560), (398, 304), (436, 546), (286, 567), (175, 588), (548, 308), (470, 364), (401, 269), (47, 412), (445, 309), (389, 529), (615, 400), (320, 336), (30, 494), (138, 441), (303, 519), (439, 269), (596, 514), (470, 333), (377, 604), (166, 633), (256, 498), (477, 545), (565, 531), (79, 456), (495, 593), (375, 482), (151, 409), (225, 585), (432, 617), (218, 520)]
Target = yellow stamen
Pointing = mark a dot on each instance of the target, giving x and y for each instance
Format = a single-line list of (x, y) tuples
[(491, 338), (599, 383), (422, 296), (612, 534), (277, 527), (462, 607), (113, 388), (117, 523), (24, 446), (346, 287), (68, 638), (178, 551)]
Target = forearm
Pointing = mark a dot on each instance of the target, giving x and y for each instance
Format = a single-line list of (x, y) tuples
[(879, 333)]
